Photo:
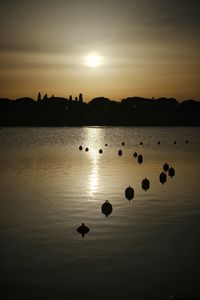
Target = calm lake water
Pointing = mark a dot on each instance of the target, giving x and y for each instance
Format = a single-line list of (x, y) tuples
[(147, 248)]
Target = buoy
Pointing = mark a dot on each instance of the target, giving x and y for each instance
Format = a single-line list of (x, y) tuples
[(106, 208), (171, 172), (174, 142), (106, 145), (135, 154), (158, 143), (165, 167), (163, 177), (141, 143), (145, 184), (83, 229), (120, 152), (80, 148), (100, 151), (129, 193), (86, 149), (140, 158), (123, 144), (186, 142)]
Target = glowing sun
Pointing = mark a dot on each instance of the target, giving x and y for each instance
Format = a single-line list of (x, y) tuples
[(93, 61)]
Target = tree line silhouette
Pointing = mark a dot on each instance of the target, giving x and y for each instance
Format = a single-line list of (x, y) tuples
[(132, 111)]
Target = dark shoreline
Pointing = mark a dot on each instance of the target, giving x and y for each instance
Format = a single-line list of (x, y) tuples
[(95, 125), (134, 111)]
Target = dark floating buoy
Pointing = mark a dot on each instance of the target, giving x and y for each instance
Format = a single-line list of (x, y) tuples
[(186, 141), (123, 144), (158, 142), (163, 177), (106, 145), (140, 158), (171, 172), (165, 167), (135, 154), (80, 148), (174, 142), (145, 184), (100, 151), (141, 143), (106, 208), (86, 149), (83, 229), (120, 152), (129, 193)]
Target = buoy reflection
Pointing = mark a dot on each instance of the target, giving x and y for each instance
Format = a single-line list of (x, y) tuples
[(140, 159)]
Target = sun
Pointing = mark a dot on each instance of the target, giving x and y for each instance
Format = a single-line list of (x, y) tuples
[(93, 60)]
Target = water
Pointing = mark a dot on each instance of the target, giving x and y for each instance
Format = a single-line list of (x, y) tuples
[(147, 248)]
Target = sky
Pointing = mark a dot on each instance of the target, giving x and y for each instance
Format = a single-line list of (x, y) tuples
[(147, 48)]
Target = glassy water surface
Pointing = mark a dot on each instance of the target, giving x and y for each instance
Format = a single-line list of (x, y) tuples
[(147, 248)]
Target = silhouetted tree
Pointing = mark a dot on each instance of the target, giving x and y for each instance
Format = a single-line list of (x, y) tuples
[(45, 97), (70, 98), (80, 98), (76, 99), (39, 97)]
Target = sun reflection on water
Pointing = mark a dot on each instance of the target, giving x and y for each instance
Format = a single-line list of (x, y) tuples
[(93, 135), (94, 178)]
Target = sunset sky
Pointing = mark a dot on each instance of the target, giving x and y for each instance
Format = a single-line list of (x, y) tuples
[(143, 48)]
